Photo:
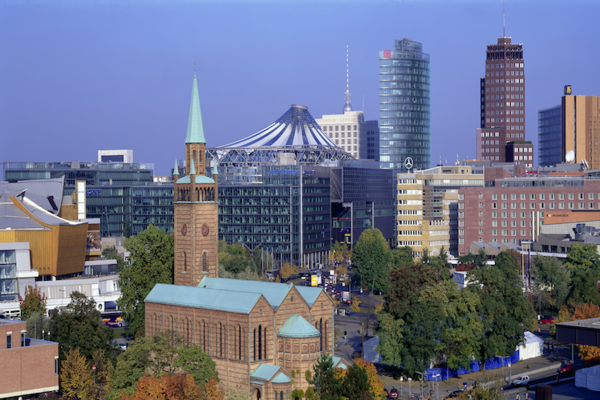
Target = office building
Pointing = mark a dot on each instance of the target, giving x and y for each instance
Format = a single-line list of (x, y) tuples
[(580, 128), (502, 100), (427, 204), (515, 208), (369, 141), (118, 156), (520, 152), (27, 366), (345, 130), (404, 106), (550, 148)]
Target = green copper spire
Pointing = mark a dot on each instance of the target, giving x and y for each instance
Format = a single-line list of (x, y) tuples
[(215, 170), (192, 169), (176, 170), (195, 132)]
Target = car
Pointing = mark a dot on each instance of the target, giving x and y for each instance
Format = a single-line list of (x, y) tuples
[(546, 319), (393, 394), (565, 368), (521, 381), (456, 394)]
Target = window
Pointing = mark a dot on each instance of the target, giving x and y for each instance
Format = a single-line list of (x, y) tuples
[(523, 196), (591, 196), (184, 262), (504, 232), (494, 232), (513, 223), (22, 339), (571, 206), (494, 196), (504, 223), (481, 231), (494, 205), (513, 205), (542, 196), (204, 264), (532, 205), (523, 205), (513, 232), (56, 366), (581, 205), (551, 196), (571, 196), (532, 197), (494, 214), (581, 196), (494, 223), (481, 213), (561, 205), (461, 241), (523, 223), (513, 196), (513, 214), (561, 196), (9, 341), (503, 214), (591, 205), (552, 206), (480, 204)]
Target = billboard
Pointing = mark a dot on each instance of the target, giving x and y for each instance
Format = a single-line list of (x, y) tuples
[(314, 280)]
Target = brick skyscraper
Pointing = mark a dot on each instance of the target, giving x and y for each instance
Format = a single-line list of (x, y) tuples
[(503, 104)]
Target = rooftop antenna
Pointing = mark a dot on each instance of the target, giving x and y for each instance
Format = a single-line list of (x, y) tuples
[(503, 18), (347, 106)]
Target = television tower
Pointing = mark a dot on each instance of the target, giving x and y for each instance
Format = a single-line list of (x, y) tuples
[(348, 105)]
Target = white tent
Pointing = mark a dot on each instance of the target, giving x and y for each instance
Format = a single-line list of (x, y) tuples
[(533, 347), (370, 350), (588, 378)]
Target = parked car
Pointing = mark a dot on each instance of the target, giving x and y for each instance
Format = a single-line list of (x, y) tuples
[(521, 381), (546, 319), (393, 394), (456, 394), (566, 368)]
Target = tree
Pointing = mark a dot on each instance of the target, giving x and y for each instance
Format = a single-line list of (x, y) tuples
[(355, 306), (79, 326), (169, 387), (590, 355), (212, 390), (340, 251), (377, 386), (110, 253), (152, 255), (288, 270), (38, 323), (356, 383), (478, 260), (584, 286), (583, 257), (327, 385), (503, 308), (34, 302), (236, 258), (247, 275), (551, 276), (165, 353), (76, 378), (372, 257), (401, 255)]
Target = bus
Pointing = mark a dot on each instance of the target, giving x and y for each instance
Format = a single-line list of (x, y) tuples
[(113, 319)]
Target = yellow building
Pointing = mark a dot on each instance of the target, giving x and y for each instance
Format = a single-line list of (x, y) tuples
[(580, 118), (427, 208), (58, 246)]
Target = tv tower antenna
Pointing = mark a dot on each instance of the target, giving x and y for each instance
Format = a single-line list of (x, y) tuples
[(347, 105), (503, 18)]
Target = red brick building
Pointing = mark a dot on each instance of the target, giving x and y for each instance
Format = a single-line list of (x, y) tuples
[(514, 209), (256, 332), (27, 366)]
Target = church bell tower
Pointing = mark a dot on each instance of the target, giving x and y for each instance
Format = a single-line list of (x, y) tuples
[(196, 207)]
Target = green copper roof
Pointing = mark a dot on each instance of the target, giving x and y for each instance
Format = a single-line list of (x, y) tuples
[(191, 296), (192, 168), (309, 294), (195, 132), (176, 169), (337, 362), (273, 292), (199, 179), (297, 327), (281, 378), (264, 372)]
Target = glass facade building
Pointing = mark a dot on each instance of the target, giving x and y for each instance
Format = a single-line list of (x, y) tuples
[(404, 106), (549, 137), (9, 287)]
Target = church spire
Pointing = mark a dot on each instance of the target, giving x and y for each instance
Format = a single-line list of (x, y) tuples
[(195, 131)]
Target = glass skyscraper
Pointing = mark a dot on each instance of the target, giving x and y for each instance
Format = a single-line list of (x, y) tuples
[(550, 137), (404, 106)]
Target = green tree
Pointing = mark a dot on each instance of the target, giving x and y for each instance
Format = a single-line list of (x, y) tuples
[(583, 257), (584, 287), (356, 383), (551, 276), (236, 258), (504, 309), (327, 385), (110, 253), (372, 257), (34, 302), (79, 326), (76, 376), (152, 256), (401, 255), (477, 260), (163, 353)]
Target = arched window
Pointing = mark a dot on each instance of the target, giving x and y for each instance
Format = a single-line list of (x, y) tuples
[(260, 342), (325, 338), (195, 159), (204, 266), (184, 261), (220, 340), (265, 342), (187, 328), (239, 342), (254, 344), (321, 330), (204, 337), (280, 395), (155, 324)]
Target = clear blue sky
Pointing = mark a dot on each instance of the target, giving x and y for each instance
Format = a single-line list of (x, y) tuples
[(80, 76)]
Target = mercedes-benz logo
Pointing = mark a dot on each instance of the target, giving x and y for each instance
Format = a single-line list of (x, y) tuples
[(408, 162)]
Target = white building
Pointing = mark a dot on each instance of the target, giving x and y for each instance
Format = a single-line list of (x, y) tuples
[(345, 130), (118, 156)]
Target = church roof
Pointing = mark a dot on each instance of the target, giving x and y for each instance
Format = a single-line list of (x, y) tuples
[(198, 179), (309, 294), (195, 131), (273, 292), (265, 372), (297, 327), (207, 298), (294, 128), (281, 378), (339, 362)]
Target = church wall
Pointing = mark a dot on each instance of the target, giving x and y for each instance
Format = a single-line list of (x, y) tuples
[(322, 319), (293, 303), (262, 316), (299, 354)]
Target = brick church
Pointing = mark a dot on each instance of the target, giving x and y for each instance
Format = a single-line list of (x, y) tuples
[(256, 332)]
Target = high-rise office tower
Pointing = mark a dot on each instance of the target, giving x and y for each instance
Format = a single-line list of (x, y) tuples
[(503, 103), (571, 132), (404, 106)]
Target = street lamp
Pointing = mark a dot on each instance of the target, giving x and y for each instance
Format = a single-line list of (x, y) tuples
[(422, 376)]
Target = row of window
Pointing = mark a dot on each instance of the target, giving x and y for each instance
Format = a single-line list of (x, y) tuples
[(339, 127), (502, 88), (542, 196)]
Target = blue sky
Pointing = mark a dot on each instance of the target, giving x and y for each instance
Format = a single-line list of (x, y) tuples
[(76, 77)]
